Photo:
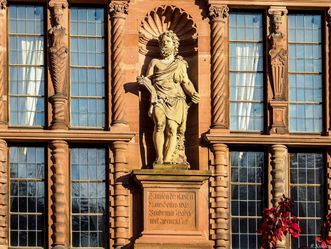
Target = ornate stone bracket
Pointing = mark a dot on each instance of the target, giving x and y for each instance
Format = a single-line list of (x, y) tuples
[(59, 197), (220, 197), (58, 54), (3, 64), (3, 196), (278, 61), (119, 199), (118, 11), (219, 79), (279, 164)]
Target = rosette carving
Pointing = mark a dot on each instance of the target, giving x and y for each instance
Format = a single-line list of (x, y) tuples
[(166, 18), (3, 195), (58, 49), (278, 53)]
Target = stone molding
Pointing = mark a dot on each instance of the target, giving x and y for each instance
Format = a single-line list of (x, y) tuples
[(119, 199), (3, 195), (219, 60), (118, 11), (3, 64), (58, 64), (162, 19), (220, 197), (59, 194), (279, 166)]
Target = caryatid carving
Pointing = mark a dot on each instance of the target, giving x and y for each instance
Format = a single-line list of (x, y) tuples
[(3, 99), (58, 53), (220, 93), (278, 52), (57, 48), (118, 11)]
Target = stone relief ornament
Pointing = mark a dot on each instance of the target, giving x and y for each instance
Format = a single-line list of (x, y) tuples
[(166, 18), (278, 53), (57, 48), (168, 83)]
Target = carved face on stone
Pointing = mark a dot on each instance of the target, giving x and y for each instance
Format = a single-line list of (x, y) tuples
[(58, 13), (168, 42)]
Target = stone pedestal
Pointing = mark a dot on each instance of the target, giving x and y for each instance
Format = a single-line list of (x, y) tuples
[(175, 204)]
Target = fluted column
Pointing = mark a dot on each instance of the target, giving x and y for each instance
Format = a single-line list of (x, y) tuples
[(220, 194), (59, 196), (118, 11), (3, 196), (279, 166), (3, 64), (278, 61), (219, 60), (120, 197), (58, 58)]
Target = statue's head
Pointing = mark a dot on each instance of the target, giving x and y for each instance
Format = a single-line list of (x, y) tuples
[(169, 43)]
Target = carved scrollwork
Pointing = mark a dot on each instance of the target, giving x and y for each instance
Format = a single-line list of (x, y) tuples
[(218, 12), (3, 4), (278, 52), (119, 8), (166, 18), (57, 48)]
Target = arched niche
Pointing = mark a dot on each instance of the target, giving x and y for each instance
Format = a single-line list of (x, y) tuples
[(155, 22)]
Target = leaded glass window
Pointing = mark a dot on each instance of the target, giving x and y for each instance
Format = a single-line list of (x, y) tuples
[(306, 184), (87, 60), (26, 65), (246, 71), (246, 197), (88, 197), (27, 197), (305, 72)]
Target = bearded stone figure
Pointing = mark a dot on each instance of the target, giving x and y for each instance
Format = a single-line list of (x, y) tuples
[(168, 82)]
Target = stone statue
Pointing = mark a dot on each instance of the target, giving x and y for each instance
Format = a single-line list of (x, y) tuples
[(168, 83)]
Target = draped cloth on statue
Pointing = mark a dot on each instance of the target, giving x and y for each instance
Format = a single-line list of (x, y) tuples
[(171, 97)]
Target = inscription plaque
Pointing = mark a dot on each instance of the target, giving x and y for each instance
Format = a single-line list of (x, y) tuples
[(171, 210)]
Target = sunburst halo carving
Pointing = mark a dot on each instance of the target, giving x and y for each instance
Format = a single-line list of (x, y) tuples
[(166, 18)]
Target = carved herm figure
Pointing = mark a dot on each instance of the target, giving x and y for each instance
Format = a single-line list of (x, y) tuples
[(168, 83)]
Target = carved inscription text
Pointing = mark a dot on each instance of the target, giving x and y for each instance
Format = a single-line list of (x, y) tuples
[(171, 210)]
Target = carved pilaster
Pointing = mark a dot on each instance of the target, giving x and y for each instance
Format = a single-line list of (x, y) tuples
[(220, 194), (328, 19), (329, 179), (120, 197), (220, 92), (3, 196), (278, 62), (60, 193), (118, 11), (58, 58), (3, 63), (279, 164)]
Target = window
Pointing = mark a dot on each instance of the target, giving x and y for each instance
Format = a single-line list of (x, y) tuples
[(88, 185), (305, 72), (26, 66), (307, 192), (27, 197), (247, 199), (246, 72), (87, 67)]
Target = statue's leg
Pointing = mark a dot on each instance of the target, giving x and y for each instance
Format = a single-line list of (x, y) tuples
[(158, 135), (171, 134)]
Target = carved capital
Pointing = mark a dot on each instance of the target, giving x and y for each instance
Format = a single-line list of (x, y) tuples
[(218, 12), (3, 4), (119, 8), (56, 10)]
